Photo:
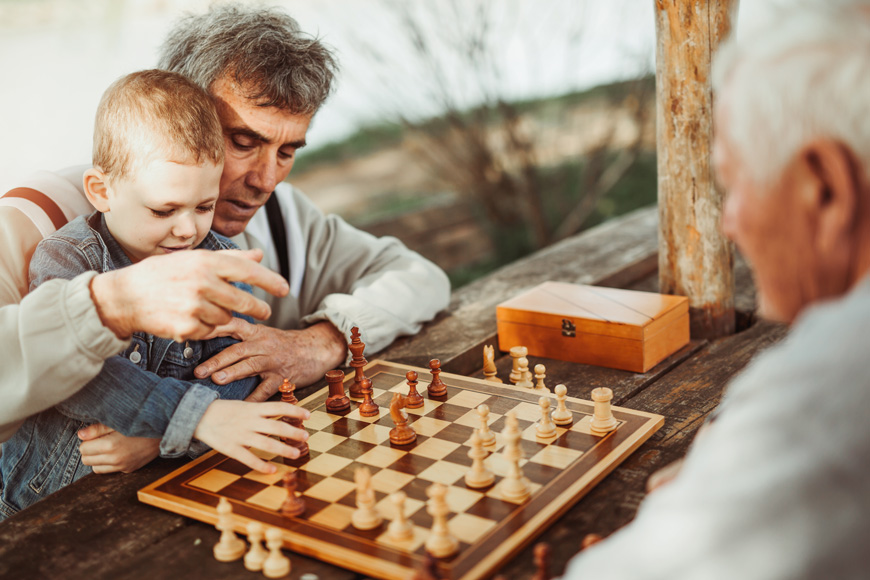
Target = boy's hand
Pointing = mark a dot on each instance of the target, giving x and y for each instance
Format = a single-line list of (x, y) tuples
[(232, 426), (302, 356), (107, 451), (183, 295)]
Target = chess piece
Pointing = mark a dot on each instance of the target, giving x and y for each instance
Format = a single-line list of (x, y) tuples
[(276, 564), (603, 420), (428, 569), (489, 369), (590, 540), (400, 529), (402, 433), (439, 543), (514, 486), (562, 416), (436, 388), (414, 399), (366, 516), (525, 376), (540, 375), (337, 401), (478, 476), (293, 505), (487, 437), (257, 554), (357, 361), (287, 390), (368, 408), (516, 352), (542, 556), (229, 547), (545, 428)]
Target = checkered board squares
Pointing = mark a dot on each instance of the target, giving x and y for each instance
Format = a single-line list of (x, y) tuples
[(490, 528)]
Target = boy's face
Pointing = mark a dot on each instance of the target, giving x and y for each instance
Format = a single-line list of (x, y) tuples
[(162, 207)]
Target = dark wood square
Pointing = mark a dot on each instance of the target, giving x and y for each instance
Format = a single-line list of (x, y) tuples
[(242, 489)]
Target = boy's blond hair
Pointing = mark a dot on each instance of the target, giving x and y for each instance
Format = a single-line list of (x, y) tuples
[(154, 113)]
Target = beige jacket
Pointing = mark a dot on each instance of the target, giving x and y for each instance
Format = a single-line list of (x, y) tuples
[(337, 273)]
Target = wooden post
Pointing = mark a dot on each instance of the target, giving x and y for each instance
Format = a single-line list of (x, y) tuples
[(695, 259)]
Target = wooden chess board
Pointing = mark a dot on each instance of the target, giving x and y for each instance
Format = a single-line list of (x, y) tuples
[(490, 529)]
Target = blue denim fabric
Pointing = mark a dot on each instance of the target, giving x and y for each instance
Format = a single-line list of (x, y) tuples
[(157, 397)]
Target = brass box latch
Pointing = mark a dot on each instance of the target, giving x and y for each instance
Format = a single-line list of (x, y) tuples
[(568, 328)]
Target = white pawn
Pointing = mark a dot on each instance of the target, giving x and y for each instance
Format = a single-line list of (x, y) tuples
[(562, 416), (478, 476), (257, 554), (276, 564), (525, 374), (487, 437), (544, 428), (540, 375), (439, 543), (366, 516), (603, 420), (400, 529), (229, 547)]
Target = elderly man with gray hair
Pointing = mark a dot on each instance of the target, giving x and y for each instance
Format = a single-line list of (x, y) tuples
[(778, 485)]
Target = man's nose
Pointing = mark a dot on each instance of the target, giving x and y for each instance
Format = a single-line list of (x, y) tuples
[(263, 175)]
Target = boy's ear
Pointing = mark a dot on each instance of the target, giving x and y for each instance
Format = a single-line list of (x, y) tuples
[(96, 189)]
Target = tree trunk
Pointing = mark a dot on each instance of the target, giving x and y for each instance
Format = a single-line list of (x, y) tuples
[(695, 259)]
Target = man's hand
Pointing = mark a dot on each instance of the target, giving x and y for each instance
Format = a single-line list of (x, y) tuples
[(231, 427), (107, 451), (184, 295), (302, 356)]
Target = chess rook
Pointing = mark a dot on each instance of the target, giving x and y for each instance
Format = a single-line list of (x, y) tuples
[(516, 353), (414, 399), (603, 420), (562, 416), (336, 401), (436, 388), (368, 408), (229, 547), (357, 362)]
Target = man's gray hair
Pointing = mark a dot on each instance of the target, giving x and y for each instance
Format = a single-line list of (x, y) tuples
[(263, 50), (806, 75)]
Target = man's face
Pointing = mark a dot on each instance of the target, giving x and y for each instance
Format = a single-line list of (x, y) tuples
[(261, 144), (767, 226), (162, 207)]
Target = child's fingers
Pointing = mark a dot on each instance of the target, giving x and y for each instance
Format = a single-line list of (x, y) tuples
[(94, 431), (282, 429), (277, 408), (276, 446), (243, 455)]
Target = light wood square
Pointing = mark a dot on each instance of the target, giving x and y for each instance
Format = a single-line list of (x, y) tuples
[(265, 455), (469, 528), (496, 493), (443, 472), (428, 405), (387, 508), (400, 387), (381, 456), (376, 434), (434, 448), (355, 415), (472, 419), (530, 434), (460, 499), (270, 478), (270, 498), (388, 481), (497, 464), (330, 489), (335, 516), (214, 480), (528, 411), (429, 426), (327, 464), (583, 425), (559, 457), (412, 545), (323, 441), (320, 420), (470, 399)]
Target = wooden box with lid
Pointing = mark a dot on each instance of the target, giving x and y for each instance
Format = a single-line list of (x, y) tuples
[(610, 327)]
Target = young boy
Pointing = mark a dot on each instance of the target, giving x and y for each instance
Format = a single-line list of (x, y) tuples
[(158, 159)]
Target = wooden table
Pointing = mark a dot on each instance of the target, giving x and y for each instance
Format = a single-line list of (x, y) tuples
[(96, 528)]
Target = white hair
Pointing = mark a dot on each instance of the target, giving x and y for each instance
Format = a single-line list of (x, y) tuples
[(805, 75)]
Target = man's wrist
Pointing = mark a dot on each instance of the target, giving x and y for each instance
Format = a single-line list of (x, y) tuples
[(335, 340), (106, 294)]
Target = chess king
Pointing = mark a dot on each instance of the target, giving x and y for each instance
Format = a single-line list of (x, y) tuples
[(776, 486)]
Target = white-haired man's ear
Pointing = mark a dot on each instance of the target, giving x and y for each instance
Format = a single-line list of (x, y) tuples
[(96, 189)]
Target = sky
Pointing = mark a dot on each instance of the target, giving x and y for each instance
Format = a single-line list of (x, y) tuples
[(59, 56)]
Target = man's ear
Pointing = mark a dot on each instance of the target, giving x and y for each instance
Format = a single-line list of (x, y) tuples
[(834, 191), (96, 189)]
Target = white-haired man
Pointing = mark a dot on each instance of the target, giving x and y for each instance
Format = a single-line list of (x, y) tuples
[(778, 485)]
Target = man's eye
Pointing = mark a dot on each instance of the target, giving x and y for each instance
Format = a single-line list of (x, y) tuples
[(286, 155), (162, 214), (205, 208), (242, 146)]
